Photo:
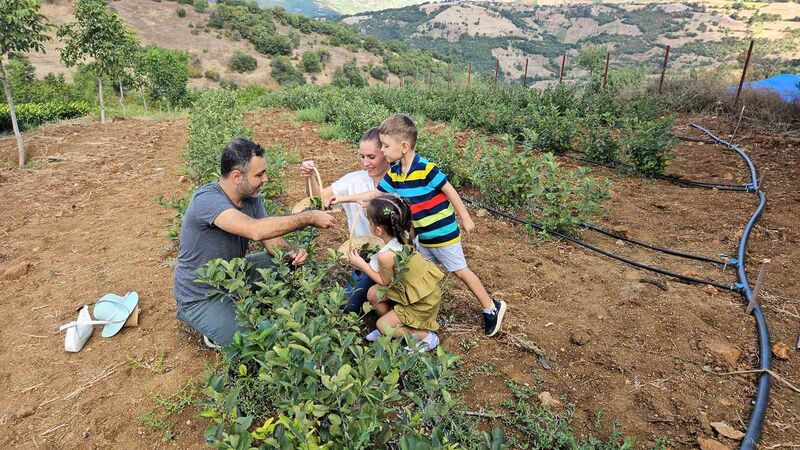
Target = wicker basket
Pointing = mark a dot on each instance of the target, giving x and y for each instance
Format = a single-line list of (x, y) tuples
[(305, 203)]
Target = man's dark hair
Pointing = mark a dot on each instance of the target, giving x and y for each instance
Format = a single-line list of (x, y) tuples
[(237, 155), (371, 135)]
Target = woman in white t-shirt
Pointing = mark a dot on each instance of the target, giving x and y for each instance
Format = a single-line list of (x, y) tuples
[(375, 167)]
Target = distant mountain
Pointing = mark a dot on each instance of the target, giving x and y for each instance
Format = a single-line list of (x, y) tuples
[(334, 8), (483, 33)]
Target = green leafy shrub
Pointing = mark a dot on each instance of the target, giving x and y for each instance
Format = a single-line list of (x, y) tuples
[(303, 374), (167, 73), (648, 144), (503, 175), (441, 148), (30, 115), (310, 62), (214, 122), (379, 73), (273, 44), (310, 115), (242, 62), (564, 199), (211, 74), (285, 73), (181, 13), (200, 5), (551, 131), (597, 142), (348, 75)]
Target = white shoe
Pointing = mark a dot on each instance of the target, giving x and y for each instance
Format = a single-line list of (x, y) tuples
[(209, 343)]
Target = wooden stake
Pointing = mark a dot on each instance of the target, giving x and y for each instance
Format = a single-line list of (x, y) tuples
[(663, 70), (469, 74), (525, 77), (744, 72), (605, 73), (496, 70), (563, 63)]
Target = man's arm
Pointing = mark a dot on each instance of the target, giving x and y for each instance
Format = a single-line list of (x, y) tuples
[(240, 224), (455, 200)]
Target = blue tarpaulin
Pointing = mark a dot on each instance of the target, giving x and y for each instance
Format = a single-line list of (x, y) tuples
[(785, 85)]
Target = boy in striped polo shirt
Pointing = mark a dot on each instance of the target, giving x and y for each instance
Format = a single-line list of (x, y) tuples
[(434, 204)]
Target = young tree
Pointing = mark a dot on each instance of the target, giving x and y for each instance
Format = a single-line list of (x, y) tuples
[(22, 29), (100, 35), (167, 73)]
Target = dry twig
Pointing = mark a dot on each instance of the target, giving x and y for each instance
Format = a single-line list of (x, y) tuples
[(107, 372), (772, 373)]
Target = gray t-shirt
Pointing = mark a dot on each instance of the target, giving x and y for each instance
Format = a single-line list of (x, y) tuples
[(202, 241)]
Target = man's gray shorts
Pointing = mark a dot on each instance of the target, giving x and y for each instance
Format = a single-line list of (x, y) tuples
[(451, 257), (215, 317)]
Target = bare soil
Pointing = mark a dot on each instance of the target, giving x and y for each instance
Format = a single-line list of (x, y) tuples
[(88, 223)]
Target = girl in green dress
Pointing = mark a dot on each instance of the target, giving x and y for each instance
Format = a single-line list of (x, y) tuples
[(411, 283)]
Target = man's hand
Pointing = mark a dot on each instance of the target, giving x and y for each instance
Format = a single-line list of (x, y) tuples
[(467, 224), (307, 168), (299, 257), (320, 219)]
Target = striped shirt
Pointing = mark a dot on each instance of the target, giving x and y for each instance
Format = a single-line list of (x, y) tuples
[(432, 214)]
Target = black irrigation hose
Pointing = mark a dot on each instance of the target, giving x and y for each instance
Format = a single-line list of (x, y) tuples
[(658, 249), (694, 139), (670, 178), (756, 423), (603, 252)]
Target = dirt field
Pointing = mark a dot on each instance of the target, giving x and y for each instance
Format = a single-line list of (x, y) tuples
[(88, 224)]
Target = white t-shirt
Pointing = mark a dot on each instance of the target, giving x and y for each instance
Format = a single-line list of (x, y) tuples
[(354, 183), (393, 245)]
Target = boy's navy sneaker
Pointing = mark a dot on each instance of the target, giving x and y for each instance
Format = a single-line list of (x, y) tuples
[(493, 321)]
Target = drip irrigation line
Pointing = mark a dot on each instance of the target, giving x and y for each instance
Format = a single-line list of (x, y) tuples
[(694, 139), (588, 226), (756, 423), (604, 252), (753, 178), (670, 178), (659, 249)]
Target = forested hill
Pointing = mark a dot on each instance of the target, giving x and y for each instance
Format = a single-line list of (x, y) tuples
[(701, 34)]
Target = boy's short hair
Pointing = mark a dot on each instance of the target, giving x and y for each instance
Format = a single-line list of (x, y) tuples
[(400, 126), (372, 135)]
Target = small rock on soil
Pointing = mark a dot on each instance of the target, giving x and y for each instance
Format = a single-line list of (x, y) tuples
[(726, 430), (723, 352), (546, 399), (17, 271), (579, 337), (709, 289), (711, 444), (780, 350)]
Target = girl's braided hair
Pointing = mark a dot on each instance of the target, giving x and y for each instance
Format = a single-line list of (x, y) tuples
[(393, 214)]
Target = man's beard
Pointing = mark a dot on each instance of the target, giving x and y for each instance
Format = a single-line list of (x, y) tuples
[(248, 190)]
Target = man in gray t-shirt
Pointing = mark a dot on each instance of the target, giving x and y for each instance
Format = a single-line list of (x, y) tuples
[(220, 221)]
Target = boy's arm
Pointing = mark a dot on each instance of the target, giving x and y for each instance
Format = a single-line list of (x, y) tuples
[(362, 197), (455, 200)]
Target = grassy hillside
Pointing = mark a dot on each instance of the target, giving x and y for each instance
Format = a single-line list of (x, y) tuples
[(701, 34), (212, 37)]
